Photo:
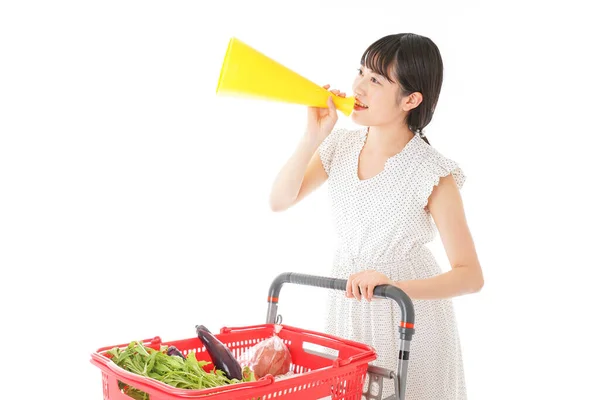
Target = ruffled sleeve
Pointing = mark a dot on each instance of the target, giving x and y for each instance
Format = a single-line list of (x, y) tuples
[(435, 167), (328, 148)]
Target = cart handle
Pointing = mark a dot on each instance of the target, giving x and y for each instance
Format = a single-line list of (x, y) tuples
[(385, 291)]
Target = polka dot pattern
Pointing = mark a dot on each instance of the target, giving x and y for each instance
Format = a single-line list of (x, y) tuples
[(381, 223)]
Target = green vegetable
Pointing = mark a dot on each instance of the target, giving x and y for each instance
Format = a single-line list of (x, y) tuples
[(174, 371)]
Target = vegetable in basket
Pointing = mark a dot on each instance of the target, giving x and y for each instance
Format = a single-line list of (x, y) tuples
[(220, 354), (174, 351), (271, 356), (180, 372)]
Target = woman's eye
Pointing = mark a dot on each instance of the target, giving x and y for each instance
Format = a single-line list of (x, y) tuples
[(359, 71), (374, 80)]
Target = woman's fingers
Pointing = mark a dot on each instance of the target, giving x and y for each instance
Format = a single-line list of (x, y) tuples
[(356, 289), (349, 287), (334, 91), (338, 93), (370, 289)]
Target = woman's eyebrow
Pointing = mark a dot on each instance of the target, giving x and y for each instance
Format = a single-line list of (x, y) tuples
[(377, 75), (371, 71)]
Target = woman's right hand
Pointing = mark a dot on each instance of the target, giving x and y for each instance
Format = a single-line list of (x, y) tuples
[(320, 120)]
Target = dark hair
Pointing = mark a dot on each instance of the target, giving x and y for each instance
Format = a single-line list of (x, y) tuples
[(415, 63)]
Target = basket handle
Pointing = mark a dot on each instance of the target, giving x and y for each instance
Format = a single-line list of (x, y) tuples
[(154, 343), (407, 319), (384, 291)]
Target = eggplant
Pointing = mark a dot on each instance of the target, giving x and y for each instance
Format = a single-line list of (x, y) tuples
[(220, 354), (174, 351)]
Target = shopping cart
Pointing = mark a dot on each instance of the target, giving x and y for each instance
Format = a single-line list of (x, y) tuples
[(317, 374)]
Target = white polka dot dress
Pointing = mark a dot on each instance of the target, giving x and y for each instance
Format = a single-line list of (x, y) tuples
[(381, 224)]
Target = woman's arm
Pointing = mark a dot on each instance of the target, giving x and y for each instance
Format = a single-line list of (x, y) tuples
[(302, 174), (446, 207)]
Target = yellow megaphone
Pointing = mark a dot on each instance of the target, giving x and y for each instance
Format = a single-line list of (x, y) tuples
[(247, 72)]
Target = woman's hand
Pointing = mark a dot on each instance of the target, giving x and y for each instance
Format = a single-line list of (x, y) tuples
[(320, 121), (364, 282)]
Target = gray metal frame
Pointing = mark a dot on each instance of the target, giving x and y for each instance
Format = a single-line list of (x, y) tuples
[(375, 374)]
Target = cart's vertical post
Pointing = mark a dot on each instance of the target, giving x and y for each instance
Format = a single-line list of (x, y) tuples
[(406, 332), (272, 310), (273, 298)]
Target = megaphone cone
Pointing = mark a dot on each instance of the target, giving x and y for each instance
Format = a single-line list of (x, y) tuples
[(247, 72)]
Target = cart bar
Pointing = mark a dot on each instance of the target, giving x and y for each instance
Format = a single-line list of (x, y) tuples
[(391, 292), (383, 291)]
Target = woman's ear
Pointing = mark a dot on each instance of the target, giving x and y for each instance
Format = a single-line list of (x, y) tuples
[(411, 101)]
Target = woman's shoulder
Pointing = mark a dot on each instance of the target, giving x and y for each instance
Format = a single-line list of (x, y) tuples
[(439, 164), (348, 132), (340, 136), (433, 156), (334, 145)]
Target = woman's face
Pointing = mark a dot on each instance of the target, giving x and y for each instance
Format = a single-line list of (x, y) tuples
[(377, 99)]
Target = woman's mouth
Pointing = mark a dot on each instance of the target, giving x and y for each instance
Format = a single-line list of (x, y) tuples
[(358, 106)]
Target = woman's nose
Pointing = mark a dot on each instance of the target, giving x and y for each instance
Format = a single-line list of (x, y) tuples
[(358, 88)]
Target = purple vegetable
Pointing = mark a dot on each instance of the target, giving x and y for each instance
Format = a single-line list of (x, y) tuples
[(174, 351), (220, 354)]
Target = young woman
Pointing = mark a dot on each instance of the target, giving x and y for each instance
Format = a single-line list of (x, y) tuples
[(390, 191)]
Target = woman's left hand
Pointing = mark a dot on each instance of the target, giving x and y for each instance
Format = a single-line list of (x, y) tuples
[(366, 282)]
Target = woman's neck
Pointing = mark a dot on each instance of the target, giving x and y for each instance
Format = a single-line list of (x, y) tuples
[(388, 140)]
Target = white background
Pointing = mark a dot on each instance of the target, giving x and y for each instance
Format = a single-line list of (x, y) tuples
[(134, 201)]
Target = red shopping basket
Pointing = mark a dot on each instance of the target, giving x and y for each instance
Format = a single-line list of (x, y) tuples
[(314, 376)]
